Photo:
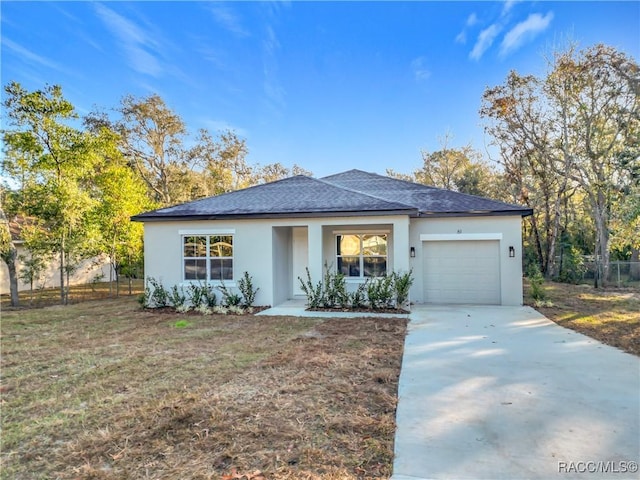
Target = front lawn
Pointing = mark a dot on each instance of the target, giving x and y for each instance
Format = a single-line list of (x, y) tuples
[(611, 315), (103, 390)]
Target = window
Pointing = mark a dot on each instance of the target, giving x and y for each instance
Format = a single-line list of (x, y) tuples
[(208, 257), (362, 255)]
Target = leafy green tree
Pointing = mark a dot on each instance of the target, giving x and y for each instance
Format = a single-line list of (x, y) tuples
[(154, 141), (575, 129), (9, 255), (122, 194), (53, 162)]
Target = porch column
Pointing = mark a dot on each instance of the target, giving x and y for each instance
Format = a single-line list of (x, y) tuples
[(315, 251), (401, 245)]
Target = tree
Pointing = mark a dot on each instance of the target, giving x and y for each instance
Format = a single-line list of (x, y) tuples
[(53, 162), (9, 254), (575, 129), (122, 194), (277, 171), (522, 131), (153, 142), (458, 169)]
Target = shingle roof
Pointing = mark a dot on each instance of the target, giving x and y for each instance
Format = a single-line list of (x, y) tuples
[(350, 193), (427, 199)]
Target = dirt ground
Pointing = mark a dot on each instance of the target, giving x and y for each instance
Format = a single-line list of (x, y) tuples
[(103, 390)]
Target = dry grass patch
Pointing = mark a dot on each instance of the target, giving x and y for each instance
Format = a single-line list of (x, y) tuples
[(103, 390), (611, 315)]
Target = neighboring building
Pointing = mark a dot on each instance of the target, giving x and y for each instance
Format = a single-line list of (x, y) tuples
[(461, 248), (87, 271)]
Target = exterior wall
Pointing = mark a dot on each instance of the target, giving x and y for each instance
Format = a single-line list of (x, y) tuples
[(509, 228), (264, 248), (89, 270)]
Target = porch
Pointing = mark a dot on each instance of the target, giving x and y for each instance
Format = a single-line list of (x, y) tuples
[(361, 248)]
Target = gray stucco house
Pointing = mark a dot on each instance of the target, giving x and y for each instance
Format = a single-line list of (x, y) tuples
[(461, 248)]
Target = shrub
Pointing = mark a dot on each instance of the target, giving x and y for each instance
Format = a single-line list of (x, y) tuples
[(573, 267), (159, 296), (203, 309), (248, 291), (380, 292), (177, 297), (230, 299), (143, 298), (314, 293), (402, 283), (357, 298), (209, 296), (196, 295), (334, 288), (536, 281)]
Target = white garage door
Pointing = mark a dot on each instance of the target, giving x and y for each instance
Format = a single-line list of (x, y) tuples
[(462, 271)]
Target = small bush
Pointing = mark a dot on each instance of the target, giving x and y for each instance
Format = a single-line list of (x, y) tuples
[(380, 292), (358, 297), (159, 295), (220, 310), (196, 297), (143, 298), (236, 309), (203, 309), (184, 308), (248, 291), (402, 283), (177, 297), (536, 281), (182, 324), (573, 267), (229, 298), (314, 293), (209, 295)]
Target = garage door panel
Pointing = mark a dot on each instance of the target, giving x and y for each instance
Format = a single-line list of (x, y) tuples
[(462, 271)]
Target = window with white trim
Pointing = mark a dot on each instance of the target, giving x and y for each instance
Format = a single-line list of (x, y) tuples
[(208, 257), (362, 255)]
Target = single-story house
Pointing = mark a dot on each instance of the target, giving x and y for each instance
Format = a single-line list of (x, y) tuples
[(461, 248)]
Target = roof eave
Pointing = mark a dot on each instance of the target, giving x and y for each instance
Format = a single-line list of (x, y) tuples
[(478, 213), (251, 216)]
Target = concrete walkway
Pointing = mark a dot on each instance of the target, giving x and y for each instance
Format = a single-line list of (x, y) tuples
[(502, 392)]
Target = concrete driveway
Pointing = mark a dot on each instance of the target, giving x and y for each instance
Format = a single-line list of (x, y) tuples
[(503, 392)]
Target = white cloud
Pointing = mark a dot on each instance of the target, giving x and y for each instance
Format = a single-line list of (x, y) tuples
[(28, 56), (525, 31), (420, 70), (484, 41), (472, 19), (226, 18), (508, 5), (222, 125), (135, 42)]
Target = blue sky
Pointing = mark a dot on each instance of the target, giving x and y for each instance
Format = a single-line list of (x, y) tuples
[(327, 85)]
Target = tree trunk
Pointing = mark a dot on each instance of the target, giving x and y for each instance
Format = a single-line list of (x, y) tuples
[(10, 260), (63, 298)]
